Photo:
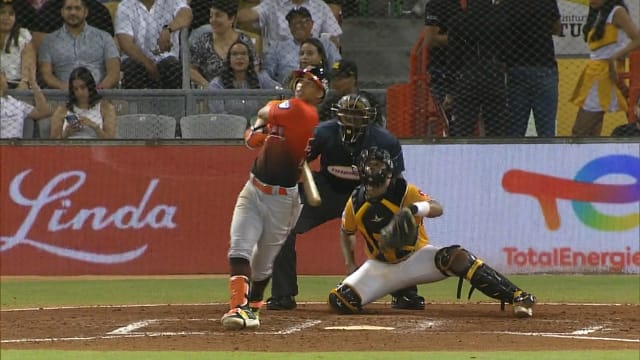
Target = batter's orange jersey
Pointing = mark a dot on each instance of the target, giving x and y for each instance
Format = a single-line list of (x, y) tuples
[(369, 217), (290, 124)]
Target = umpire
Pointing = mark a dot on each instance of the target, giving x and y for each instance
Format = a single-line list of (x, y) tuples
[(338, 142)]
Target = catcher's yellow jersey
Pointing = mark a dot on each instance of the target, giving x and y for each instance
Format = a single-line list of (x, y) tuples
[(369, 217)]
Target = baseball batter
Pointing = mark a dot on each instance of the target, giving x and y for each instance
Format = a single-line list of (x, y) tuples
[(388, 212), (338, 142), (269, 204)]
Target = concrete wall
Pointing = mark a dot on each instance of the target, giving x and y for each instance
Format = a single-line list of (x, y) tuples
[(381, 48)]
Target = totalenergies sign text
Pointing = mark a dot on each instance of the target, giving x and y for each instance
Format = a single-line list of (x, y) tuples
[(582, 191)]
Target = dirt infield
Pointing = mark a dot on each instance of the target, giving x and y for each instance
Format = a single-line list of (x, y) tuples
[(441, 327)]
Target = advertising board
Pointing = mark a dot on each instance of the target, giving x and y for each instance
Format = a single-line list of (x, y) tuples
[(140, 210)]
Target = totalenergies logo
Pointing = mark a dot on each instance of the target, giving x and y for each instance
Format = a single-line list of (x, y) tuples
[(582, 191)]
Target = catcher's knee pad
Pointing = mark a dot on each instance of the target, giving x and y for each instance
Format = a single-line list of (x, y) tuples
[(345, 300), (456, 261)]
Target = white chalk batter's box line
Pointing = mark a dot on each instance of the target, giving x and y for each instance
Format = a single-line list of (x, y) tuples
[(133, 330), (299, 303)]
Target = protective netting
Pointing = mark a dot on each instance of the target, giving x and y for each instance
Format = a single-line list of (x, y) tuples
[(505, 68)]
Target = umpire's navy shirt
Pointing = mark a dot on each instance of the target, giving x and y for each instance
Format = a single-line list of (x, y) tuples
[(326, 143)]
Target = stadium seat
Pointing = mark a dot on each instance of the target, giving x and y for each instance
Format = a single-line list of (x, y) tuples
[(28, 129), (43, 130), (145, 126), (213, 126), (121, 106)]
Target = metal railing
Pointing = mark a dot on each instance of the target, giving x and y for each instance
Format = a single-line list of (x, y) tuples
[(175, 103)]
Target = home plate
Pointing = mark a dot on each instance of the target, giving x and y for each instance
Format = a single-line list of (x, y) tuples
[(359, 327)]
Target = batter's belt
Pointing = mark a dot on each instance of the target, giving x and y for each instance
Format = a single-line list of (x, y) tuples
[(270, 189)]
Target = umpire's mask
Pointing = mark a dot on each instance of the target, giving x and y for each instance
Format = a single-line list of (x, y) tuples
[(354, 113)]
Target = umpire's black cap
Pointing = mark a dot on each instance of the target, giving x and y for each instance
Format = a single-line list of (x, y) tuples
[(300, 11)]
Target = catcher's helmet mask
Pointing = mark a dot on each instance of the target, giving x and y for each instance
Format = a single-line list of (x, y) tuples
[(375, 168), (354, 113)]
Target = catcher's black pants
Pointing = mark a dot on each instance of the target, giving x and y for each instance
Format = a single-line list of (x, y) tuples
[(284, 278)]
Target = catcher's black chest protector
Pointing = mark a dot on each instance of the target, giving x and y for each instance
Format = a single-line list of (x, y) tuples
[(375, 214), (379, 211)]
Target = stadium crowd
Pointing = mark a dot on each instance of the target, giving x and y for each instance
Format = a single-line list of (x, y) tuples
[(488, 72)]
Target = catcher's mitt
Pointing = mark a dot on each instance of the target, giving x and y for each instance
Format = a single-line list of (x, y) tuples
[(401, 231)]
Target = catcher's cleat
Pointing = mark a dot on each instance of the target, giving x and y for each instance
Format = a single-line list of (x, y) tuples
[(407, 302), (345, 300), (240, 318), (523, 304), (281, 303), (255, 307)]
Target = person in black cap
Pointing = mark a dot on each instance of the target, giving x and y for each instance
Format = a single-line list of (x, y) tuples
[(344, 80)]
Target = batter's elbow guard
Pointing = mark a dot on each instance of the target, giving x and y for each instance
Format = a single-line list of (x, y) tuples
[(345, 300), (254, 140)]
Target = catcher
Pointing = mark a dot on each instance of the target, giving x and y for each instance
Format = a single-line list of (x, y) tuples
[(388, 212)]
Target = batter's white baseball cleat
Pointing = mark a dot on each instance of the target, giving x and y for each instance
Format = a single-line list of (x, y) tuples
[(240, 318)]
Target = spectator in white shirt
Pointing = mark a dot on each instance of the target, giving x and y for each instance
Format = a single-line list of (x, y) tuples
[(14, 112), (148, 34), (86, 115), (273, 25)]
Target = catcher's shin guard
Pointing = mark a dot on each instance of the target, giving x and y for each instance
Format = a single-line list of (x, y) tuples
[(345, 300), (457, 261)]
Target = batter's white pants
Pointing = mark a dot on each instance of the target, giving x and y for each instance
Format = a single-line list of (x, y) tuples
[(260, 225)]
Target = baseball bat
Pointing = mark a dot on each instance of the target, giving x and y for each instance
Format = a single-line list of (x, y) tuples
[(310, 188)]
